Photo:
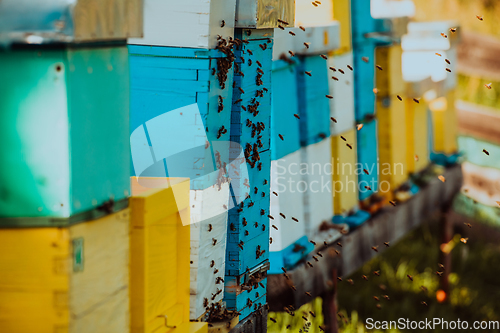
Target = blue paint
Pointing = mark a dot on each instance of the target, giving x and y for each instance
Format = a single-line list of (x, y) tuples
[(354, 220), (364, 80), (249, 93), (284, 107), (362, 23), (251, 309), (314, 106), (238, 260), (368, 158), (289, 257), (245, 298)]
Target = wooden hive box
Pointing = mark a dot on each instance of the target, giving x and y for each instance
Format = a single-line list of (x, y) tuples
[(262, 14), (444, 124), (364, 80), (160, 256), (342, 91), (342, 13), (417, 135), (389, 80), (367, 155), (73, 279), (54, 97)]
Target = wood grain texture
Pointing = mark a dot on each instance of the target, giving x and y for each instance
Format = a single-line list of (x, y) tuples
[(478, 121)]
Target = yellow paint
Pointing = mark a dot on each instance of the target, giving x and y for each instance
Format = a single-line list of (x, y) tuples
[(417, 135), (342, 13), (159, 255), (344, 177), (40, 291), (392, 144), (389, 80), (444, 122)]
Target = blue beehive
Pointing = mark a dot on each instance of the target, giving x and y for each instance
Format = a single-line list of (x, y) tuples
[(314, 106), (364, 80), (251, 106), (164, 79), (248, 299), (248, 221), (368, 159), (283, 109)]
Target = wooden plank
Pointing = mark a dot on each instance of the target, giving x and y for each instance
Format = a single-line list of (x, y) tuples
[(342, 13), (389, 80), (444, 123), (482, 183), (308, 15), (342, 91), (388, 226), (478, 121), (417, 136), (478, 55)]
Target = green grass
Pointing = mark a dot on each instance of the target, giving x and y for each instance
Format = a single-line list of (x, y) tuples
[(472, 89)]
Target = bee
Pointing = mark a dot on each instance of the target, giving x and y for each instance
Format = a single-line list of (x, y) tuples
[(272, 218), (216, 271), (302, 28), (283, 22), (240, 245), (314, 4), (325, 243), (223, 23), (339, 244), (366, 171), (386, 244), (486, 152), (319, 254), (308, 294), (423, 288), (333, 69), (453, 29), (375, 91), (291, 53), (308, 73), (368, 188), (244, 222), (293, 288), (365, 59), (416, 100), (241, 90), (448, 70), (243, 107), (210, 228), (281, 137), (312, 242), (377, 273), (379, 306), (323, 56), (392, 203), (387, 297), (237, 101), (205, 302), (444, 35), (350, 67), (191, 262), (343, 138), (376, 298), (258, 63), (322, 328), (480, 18), (399, 97), (281, 27), (296, 116), (423, 303), (468, 224), (488, 85), (283, 269), (416, 158), (379, 67), (246, 233), (333, 119), (310, 265), (256, 224), (365, 277), (441, 178), (341, 71), (283, 215), (359, 126), (270, 240), (339, 278), (291, 33), (337, 252), (293, 218), (214, 241), (275, 227), (348, 145), (374, 248), (250, 52), (447, 61), (410, 277), (498, 202), (438, 54), (272, 319), (351, 282), (335, 78), (312, 314)]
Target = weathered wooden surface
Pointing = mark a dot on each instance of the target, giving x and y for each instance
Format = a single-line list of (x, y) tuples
[(478, 55), (390, 225), (478, 121)]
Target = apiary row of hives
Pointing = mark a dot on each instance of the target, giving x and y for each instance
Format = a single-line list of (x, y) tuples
[(249, 127)]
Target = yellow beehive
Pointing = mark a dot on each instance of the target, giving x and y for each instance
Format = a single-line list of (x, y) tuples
[(344, 177), (342, 13), (444, 123), (72, 279), (389, 80), (391, 144), (159, 256), (417, 135)]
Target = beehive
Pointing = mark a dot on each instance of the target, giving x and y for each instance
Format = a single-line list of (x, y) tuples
[(417, 135), (52, 99), (246, 294), (342, 13), (160, 255), (389, 80), (444, 123), (344, 173), (316, 169), (262, 14), (367, 155), (191, 23), (364, 80), (342, 91), (73, 279)]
